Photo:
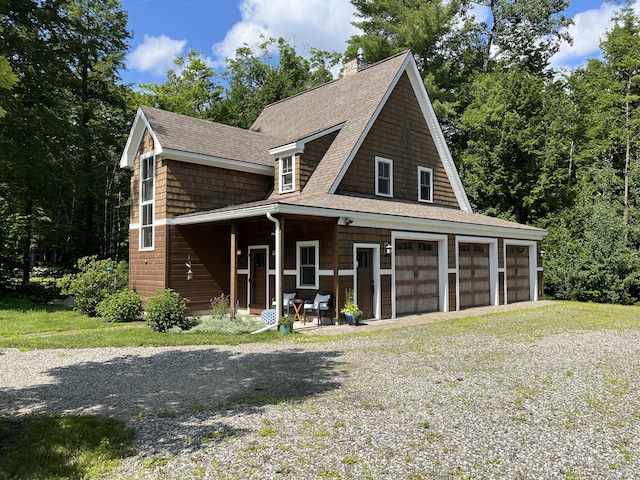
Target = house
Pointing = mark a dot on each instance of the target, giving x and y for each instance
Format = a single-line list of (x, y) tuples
[(347, 185)]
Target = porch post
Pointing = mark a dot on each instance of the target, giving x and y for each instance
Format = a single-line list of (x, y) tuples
[(278, 247), (233, 281), (336, 272)]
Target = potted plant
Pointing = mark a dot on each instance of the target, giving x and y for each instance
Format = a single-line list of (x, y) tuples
[(350, 309), (286, 325)]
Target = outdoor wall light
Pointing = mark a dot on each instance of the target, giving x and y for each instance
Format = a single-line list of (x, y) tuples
[(238, 252), (189, 270), (387, 249), (348, 221)]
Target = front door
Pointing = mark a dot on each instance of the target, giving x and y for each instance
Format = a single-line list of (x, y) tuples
[(365, 282), (258, 280)]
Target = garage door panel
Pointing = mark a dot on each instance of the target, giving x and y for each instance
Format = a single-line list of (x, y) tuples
[(417, 278), (518, 281), (474, 275)]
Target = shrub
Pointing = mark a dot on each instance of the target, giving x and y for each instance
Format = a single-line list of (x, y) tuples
[(123, 306), (94, 282), (166, 309)]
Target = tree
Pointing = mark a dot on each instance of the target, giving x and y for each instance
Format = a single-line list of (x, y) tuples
[(189, 89), (257, 77), (621, 51), (524, 32), (7, 78), (504, 124), (65, 119)]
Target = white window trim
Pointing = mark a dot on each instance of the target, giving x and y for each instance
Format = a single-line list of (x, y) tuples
[(299, 246), (281, 174), (420, 170), (386, 161), (145, 156)]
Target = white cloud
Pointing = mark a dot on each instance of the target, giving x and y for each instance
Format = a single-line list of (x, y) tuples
[(156, 54), (323, 24), (587, 30)]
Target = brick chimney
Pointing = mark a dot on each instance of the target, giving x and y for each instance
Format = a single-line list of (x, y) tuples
[(355, 65)]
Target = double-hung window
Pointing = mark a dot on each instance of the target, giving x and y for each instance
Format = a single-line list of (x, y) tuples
[(384, 177), (147, 188), (286, 174), (425, 184), (308, 264)]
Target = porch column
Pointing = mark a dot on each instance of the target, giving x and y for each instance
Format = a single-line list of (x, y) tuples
[(233, 280), (278, 247), (336, 272)]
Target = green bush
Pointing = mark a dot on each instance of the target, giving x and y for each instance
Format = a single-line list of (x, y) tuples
[(123, 306), (166, 309), (95, 281)]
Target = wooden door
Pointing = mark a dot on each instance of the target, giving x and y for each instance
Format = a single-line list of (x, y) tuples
[(258, 280), (518, 279), (417, 277), (365, 282), (475, 275)]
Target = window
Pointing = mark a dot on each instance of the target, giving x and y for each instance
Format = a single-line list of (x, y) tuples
[(147, 176), (286, 174), (308, 264), (425, 184), (384, 177)]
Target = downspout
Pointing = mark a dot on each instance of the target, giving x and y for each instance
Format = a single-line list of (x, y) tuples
[(278, 295), (278, 264)]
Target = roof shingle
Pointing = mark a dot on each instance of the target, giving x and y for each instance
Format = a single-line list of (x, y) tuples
[(193, 135)]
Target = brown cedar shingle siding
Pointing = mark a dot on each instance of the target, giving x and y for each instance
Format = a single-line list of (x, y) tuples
[(193, 188), (205, 244), (147, 269), (313, 153), (400, 134)]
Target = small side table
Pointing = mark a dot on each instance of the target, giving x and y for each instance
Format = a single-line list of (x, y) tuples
[(298, 303)]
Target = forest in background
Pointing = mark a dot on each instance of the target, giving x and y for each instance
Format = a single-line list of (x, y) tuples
[(554, 149)]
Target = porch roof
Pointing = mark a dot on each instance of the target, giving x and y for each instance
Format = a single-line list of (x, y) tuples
[(371, 212)]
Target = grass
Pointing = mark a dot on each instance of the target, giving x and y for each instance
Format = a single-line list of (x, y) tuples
[(27, 326), (70, 447)]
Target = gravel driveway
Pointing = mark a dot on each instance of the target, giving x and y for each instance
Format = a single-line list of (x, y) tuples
[(411, 403)]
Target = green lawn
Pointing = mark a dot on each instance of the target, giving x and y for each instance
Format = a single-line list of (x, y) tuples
[(27, 326)]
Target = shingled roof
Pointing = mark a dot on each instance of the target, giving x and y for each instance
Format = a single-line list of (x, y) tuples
[(188, 135), (336, 205)]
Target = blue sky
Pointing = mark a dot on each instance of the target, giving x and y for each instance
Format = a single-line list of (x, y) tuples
[(164, 29)]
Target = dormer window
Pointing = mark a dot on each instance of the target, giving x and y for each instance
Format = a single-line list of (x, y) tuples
[(425, 184), (384, 177), (286, 174)]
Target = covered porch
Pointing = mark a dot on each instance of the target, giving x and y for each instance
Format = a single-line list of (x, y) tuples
[(253, 258)]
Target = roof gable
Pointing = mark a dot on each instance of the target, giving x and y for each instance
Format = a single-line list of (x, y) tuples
[(354, 102), (199, 141)]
